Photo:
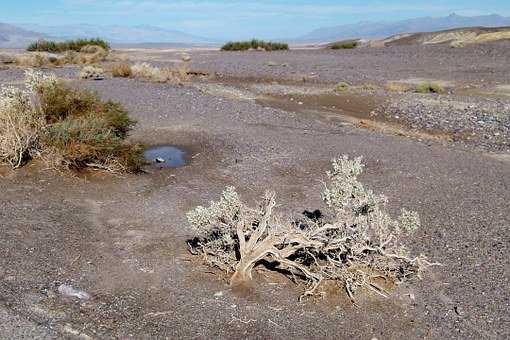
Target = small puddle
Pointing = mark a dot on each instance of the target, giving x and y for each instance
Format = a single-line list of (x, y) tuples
[(165, 156)]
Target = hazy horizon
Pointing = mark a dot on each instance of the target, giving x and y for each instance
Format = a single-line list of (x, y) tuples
[(221, 19)]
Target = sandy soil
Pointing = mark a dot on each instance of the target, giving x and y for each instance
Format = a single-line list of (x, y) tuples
[(123, 239)]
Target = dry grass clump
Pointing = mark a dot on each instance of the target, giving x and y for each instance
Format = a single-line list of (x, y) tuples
[(91, 72), (355, 244), (176, 75), (122, 70), (429, 88), (65, 127), (7, 59), (34, 60), (80, 58), (398, 87)]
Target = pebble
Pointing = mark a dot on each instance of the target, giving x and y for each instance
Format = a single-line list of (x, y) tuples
[(70, 291)]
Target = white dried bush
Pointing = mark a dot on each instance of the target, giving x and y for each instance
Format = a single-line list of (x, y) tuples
[(175, 75), (91, 72), (20, 124), (147, 71), (355, 246)]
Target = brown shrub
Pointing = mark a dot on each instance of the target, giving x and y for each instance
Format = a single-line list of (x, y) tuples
[(122, 70), (68, 127)]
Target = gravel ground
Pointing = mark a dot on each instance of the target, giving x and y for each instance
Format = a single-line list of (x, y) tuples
[(482, 122), (122, 240), (478, 64)]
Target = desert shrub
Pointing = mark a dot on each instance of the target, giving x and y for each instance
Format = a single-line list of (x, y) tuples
[(429, 88), (69, 45), (344, 45), (91, 72), (341, 87), (36, 60), (354, 243), (67, 127), (7, 58), (20, 126), (176, 75), (254, 45), (397, 87), (122, 70)]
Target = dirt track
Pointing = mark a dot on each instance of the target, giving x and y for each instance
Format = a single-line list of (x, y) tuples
[(123, 239)]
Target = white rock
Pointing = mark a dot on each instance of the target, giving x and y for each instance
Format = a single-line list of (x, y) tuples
[(68, 290)]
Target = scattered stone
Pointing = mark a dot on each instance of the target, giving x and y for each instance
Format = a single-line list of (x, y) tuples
[(70, 291)]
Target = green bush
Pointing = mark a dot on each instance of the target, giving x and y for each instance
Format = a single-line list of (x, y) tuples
[(345, 45), (254, 44), (67, 127), (68, 45)]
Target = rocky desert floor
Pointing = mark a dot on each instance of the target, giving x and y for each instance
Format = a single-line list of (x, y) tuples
[(260, 121)]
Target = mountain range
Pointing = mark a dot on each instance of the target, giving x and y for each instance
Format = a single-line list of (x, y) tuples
[(376, 30), (20, 35)]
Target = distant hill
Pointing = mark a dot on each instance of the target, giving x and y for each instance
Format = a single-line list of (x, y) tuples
[(374, 30), (455, 37), (119, 34), (15, 37)]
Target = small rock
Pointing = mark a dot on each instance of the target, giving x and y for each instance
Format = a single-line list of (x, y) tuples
[(70, 291), (218, 294)]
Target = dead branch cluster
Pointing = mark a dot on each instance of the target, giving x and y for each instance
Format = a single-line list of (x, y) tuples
[(353, 244)]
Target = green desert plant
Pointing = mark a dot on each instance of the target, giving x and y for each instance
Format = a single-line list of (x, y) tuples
[(68, 45), (429, 88), (66, 127), (254, 44), (354, 242), (341, 87), (344, 45)]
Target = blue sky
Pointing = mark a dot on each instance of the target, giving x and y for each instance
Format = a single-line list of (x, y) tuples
[(242, 19)]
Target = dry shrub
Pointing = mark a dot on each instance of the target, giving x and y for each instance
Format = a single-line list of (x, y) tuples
[(354, 244), (398, 87), (429, 88), (91, 49), (66, 127), (7, 58), (35, 60), (177, 75), (91, 72), (122, 70), (20, 126)]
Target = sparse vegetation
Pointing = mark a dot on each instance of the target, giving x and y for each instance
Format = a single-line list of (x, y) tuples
[(69, 45), (254, 45), (91, 72), (353, 244), (65, 127), (344, 45), (176, 75), (429, 88), (398, 87), (341, 87), (122, 70)]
